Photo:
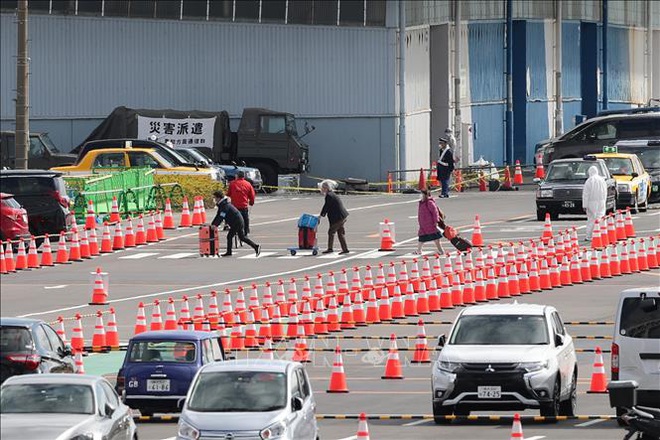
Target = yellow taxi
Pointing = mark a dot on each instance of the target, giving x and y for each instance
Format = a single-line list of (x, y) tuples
[(117, 159), (633, 183)]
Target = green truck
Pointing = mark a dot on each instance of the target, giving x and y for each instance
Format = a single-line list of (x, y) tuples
[(266, 139)]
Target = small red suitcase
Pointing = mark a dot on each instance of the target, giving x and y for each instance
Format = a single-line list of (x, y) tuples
[(209, 241), (460, 243), (306, 238)]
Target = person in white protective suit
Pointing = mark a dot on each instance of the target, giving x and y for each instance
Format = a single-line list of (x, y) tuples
[(594, 198)]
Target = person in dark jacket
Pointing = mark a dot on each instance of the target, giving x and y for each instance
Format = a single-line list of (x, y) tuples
[(233, 218), (337, 215), (445, 165)]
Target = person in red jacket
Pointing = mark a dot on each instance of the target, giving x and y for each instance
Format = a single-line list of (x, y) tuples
[(242, 196)]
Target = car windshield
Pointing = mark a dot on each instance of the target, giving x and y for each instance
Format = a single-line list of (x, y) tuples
[(619, 166), (500, 330), (640, 318), (162, 351), (239, 391), (41, 398), (15, 340), (291, 125), (49, 143), (650, 156), (571, 171)]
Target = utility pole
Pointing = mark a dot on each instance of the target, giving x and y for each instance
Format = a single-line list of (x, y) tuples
[(462, 147), (559, 105), (22, 89), (402, 163)]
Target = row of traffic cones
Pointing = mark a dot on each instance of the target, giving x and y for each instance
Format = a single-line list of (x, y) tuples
[(612, 228)]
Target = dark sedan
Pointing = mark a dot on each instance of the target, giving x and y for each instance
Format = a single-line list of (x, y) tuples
[(561, 191)]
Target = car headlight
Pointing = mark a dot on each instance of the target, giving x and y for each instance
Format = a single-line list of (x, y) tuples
[(274, 431), (187, 431), (534, 366), (447, 366), (623, 187), (544, 193)]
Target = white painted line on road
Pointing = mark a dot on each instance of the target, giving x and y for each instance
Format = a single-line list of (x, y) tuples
[(353, 437), (416, 422), (329, 256), (589, 423), (169, 438), (178, 256), (289, 257), (374, 254), (60, 286), (254, 257), (536, 437), (138, 256)]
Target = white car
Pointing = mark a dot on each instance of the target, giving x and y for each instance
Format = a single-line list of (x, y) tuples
[(505, 357), (636, 343)]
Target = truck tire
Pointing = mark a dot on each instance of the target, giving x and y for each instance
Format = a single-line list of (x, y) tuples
[(269, 176)]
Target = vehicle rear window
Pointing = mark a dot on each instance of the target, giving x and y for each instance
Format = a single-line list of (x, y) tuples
[(23, 185), (47, 398), (500, 330), (15, 340), (11, 203), (640, 318), (162, 351)]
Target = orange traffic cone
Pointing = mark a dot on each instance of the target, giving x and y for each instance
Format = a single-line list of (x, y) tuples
[(33, 257), (160, 233), (389, 183), (168, 220), (393, 365), (140, 320), (21, 256), (477, 238), (129, 237), (197, 214), (386, 240), (156, 317), (202, 209), (9, 258), (77, 339), (170, 315), (598, 378), (507, 179), (84, 244), (433, 175), (98, 339), (78, 363), (93, 243), (112, 335), (152, 234), (516, 429), (629, 226), (99, 293), (106, 241), (3, 265), (118, 239), (421, 355), (300, 350), (483, 186), (517, 175), (596, 239), (540, 172), (186, 220), (62, 252), (547, 229), (620, 226), (140, 234), (338, 377), (90, 220), (114, 211), (60, 329), (421, 185), (363, 428)]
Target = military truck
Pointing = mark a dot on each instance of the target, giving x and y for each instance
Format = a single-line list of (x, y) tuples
[(42, 152), (266, 139)]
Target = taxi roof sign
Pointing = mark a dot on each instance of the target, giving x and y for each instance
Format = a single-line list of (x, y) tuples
[(610, 149)]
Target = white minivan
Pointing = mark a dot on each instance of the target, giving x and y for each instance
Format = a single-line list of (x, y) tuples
[(636, 343)]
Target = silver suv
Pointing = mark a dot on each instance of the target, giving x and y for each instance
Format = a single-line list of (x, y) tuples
[(505, 357)]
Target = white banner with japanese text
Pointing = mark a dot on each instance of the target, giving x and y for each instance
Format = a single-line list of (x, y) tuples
[(188, 132)]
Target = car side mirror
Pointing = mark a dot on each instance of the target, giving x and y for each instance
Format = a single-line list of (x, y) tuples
[(122, 396), (442, 340), (633, 175), (109, 410), (296, 403), (559, 340), (538, 180), (67, 350), (181, 402)]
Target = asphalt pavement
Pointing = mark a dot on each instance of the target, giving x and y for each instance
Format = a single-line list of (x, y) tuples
[(173, 268)]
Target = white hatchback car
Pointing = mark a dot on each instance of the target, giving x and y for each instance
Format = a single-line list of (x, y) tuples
[(636, 343), (505, 357)]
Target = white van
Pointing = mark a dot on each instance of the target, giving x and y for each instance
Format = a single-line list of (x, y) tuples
[(636, 343)]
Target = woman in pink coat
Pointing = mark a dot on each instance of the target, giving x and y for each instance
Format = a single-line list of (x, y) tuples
[(428, 217)]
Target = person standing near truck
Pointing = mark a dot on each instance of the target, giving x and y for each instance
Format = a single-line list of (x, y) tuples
[(233, 218), (445, 165), (337, 214), (242, 196), (594, 199)]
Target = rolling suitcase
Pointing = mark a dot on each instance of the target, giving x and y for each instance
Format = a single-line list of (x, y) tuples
[(209, 241), (307, 226), (460, 243)]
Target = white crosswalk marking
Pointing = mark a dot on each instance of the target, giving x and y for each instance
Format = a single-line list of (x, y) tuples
[(254, 257), (289, 257), (138, 256), (178, 256), (374, 254), (331, 256)]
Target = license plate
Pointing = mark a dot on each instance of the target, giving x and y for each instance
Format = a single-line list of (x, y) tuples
[(489, 392), (158, 385), (569, 204), (654, 188)]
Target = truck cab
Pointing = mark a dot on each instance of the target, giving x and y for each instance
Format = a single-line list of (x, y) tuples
[(42, 152)]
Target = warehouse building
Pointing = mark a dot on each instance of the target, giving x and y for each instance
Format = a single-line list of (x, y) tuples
[(336, 64)]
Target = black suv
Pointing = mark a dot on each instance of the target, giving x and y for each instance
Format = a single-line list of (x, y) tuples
[(30, 346), (604, 130), (43, 195)]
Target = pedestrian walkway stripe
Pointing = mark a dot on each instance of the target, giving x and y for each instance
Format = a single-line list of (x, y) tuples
[(178, 256), (254, 257), (138, 256)]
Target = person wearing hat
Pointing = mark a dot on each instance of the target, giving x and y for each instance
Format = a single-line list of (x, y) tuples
[(445, 165)]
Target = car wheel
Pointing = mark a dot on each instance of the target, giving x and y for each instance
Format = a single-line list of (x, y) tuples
[(635, 207), (569, 406), (552, 409), (440, 414), (540, 215)]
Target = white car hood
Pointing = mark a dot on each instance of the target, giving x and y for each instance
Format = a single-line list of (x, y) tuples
[(232, 421), (41, 426), (494, 353)]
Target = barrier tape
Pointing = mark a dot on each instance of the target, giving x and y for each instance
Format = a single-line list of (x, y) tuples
[(472, 418)]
